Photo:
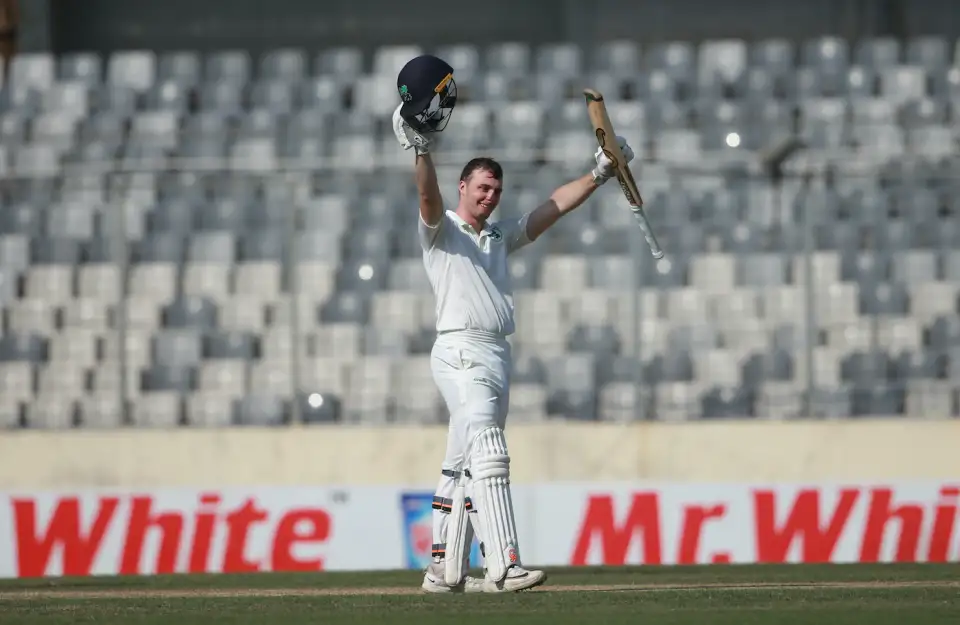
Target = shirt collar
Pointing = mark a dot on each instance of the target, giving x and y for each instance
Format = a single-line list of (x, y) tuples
[(464, 226)]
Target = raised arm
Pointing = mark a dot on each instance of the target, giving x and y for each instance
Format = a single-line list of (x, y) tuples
[(562, 201), (431, 203), (574, 193), (425, 174)]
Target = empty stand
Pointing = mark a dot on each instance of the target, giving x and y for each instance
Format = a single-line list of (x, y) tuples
[(259, 261)]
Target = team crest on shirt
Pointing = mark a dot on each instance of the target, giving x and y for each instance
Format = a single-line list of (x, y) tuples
[(495, 233)]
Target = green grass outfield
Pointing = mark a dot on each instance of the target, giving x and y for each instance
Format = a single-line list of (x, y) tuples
[(732, 594)]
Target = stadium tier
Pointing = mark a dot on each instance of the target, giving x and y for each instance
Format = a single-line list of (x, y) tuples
[(213, 240)]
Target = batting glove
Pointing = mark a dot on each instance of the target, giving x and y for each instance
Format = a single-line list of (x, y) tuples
[(407, 136), (605, 169)]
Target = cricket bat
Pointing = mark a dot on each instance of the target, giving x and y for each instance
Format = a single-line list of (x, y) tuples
[(607, 138)]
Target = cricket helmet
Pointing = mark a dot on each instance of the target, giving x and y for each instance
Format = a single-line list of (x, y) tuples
[(428, 92)]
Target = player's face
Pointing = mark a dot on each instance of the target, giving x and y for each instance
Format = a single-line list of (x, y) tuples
[(481, 192)]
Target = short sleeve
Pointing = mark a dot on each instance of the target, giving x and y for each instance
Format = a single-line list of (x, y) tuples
[(514, 232), (428, 234)]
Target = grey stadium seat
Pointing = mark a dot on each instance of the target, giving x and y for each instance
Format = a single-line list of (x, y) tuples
[(944, 331), (387, 342), (74, 221), (617, 56), (17, 347), (83, 67), (931, 52), (341, 61), (865, 368), (158, 409), (158, 247), (319, 407), (575, 370), (916, 364), (513, 58), (177, 348), (212, 124), (261, 215), (135, 69), (175, 216), (183, 68), (774, 366), (891, 299), (55, 251), (914, 266), (528, 369), (220, 345), (35, 70), (208, 410), (318, 98), (760, 270), (465, 57), (619, 369), (262, 245), (226, 98), (228, 66), (599, 340), (317, 245), (179, 379), (827, 53), (14, 252), (735, 402), (258, 123), (260, 410), (878, 401), (364, 275), (190, 312), (287, 64), (170, 95), (8, 286), (346, 307), (881, 52), (778, 56), (13, 128), (827, 402), (101, 411), (367, 244), (212, 247), (221, 215), (573, 404), (674, 366)]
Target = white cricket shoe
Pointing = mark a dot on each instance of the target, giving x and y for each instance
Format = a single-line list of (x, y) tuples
[(433, 582), (518, 578)]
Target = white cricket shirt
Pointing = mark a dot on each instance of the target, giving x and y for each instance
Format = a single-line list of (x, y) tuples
[(469, 272)]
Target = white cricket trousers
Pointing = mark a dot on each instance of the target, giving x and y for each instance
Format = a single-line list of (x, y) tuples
[(472, 371)]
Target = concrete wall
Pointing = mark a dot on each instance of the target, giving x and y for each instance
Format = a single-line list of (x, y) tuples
[(702, 452)]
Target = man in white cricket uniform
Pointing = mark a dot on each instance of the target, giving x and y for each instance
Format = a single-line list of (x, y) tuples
[(465, 256)]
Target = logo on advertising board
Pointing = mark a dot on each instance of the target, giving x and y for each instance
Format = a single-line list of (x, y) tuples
[(417, 512)]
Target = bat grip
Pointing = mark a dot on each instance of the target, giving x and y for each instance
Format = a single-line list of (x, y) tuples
[(647, 232)]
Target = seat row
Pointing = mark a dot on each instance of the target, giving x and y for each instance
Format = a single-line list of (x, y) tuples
[(529, 404), (142, 68)]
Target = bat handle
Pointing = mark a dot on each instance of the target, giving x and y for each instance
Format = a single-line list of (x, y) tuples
[(647, 232)]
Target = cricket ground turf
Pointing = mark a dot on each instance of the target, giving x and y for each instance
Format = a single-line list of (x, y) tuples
[(911, 594)]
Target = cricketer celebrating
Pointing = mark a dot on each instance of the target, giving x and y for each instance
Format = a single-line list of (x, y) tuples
[(465, 256)]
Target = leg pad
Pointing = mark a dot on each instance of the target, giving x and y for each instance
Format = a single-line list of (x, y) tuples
[(490, 467)]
